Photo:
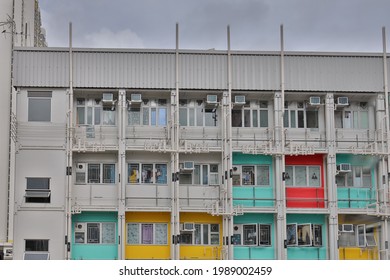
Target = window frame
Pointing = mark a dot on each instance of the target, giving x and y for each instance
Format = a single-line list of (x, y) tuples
[(37, 253), (314, 234), (205, 172), (238, 175), (345, 178), (101, 178), (309, 174), (295, 115), (251, 115), (154, 241), (151, 113), (354, 114), (239, 237), (39, 96), (35, 195), (100, 229), (138, 176), (210, 234)]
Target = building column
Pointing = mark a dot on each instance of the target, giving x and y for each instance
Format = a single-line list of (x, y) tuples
[(280, 192), (331, 176), (122, 112)]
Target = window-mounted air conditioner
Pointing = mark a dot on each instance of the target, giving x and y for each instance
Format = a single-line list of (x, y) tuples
[(188, 165), (81, 167), (315, 100), (347, 228), (108, 99), (239, 100), (188, 227), (211, 99), (342, 101), (136, 98), (344, 167)]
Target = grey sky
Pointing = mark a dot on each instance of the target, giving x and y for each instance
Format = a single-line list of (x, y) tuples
[(309, 25)]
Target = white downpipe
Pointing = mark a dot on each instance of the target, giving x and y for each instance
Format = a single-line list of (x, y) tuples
[(69, 150)]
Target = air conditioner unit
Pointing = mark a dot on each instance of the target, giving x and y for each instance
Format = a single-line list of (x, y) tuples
[(236, 170), (344, 167), (108, 99), (81, 167), (188, 165), (188, 227), (342, 101), (315, 100), (239, 100), (136, 98), (212, 99), (79, 227), (347, 227)]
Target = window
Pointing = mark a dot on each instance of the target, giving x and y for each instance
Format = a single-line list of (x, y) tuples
[(201, 174), (297, 116), (38, 190), (359, 236), (358, 177), (95, 233), (252, 235), (302, 176), (39, 106), (304, 235), (195, 113), (147, 234), (354, 116), (36, 249), (98, 173), (150, 173), (151, 112), (90, 111), (253, 114), (251, 175), (202, 234)]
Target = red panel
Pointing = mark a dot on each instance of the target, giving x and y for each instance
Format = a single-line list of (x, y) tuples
[(306, 197)]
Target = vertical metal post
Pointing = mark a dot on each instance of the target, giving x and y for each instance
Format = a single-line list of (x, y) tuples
[(122, 110), (229, 206), (69, 151), (176, 135), (387, 117), (330, 176), (280, 159)]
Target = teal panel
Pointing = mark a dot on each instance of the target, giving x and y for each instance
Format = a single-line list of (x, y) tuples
[(357, 160), (94, 251), (308, 253), (239, 158), (355, 197), (254, 196), (256, 252)]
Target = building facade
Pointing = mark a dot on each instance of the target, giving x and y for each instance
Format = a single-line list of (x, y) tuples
[(20, 25), (174, 154)]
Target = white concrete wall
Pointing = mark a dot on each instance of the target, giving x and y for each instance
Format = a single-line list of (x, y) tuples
[(5, 93), (40, 224)]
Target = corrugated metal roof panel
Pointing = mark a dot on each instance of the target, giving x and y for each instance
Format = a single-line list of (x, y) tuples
[(327, 73), (198, 70)]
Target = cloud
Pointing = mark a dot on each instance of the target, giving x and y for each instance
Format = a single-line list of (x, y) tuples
[(105, 38)]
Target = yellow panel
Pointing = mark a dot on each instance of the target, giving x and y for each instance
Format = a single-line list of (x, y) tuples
[(358, 254), (148, 251), (148, 217), (199, 252)]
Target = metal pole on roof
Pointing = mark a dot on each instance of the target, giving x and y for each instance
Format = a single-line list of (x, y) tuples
[(69, 152), (385, 89)]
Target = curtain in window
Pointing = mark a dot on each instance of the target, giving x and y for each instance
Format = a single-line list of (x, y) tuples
[(147, 234), (132, 233)]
